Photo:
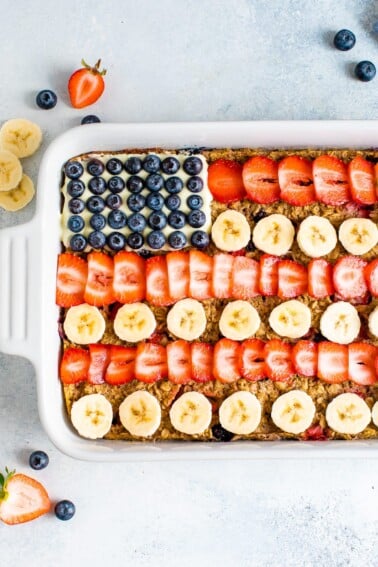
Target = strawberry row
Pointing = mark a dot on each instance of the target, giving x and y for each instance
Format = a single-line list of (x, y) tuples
[(226, 361)]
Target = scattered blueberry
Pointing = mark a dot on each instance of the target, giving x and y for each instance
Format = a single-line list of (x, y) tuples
[(38, 460), (136, 203), (194, 184), (116, 241), (151, 163), (65, 510), (170, 165), (136, 222), (155, 201), (78, 243), (135, 240), (375, 27), (75, 188), (250, 246), (95, 167), (365, 71), (154, 182), (156, 239), (192, 165), (117, 219), (145, 254), (133, 165), (196, 219), (97, 222), (76, 206), (344, 40), (97, 185), (318, 338), (75, 223), (114, 166), (46, 99), (177, 240), (176, 219), (90, 119), (113, 201), (97, 239), (173, 202), (157, 220), (221, 434), (95, 204), (194, 202), (73, 169), (259, 215), (135, 184), (116, 184), (174, 185), (200, 239)]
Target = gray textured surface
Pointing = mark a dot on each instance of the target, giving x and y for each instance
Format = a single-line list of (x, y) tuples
[(192, 60)]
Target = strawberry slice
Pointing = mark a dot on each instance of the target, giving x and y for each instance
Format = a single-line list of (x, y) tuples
[(227, 361), (362, 181), (361, 363), (222, 272), (86, 84), (332, 362), (253, 360), (74, 365), (225, 181), (129, 283), (320, 282), (315, 433), (22, 498), (70, 280), (202, 362), (151, 363), (292, 279), (178, 274), (179, 362), (201, 275), (157, 290), (99, 287), (121, 368), (98, 363), (371, 277), (278, 362), (245, 278), (268, 284), (295, 181), (331, 180), (349, 279), (305, 358), (260, 177)]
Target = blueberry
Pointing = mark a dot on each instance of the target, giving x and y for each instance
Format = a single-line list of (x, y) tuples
[(78, 243), (95, 204), (136, 203), (154, 182), (133, 165), (95, 167), (46, 99), (192, 165), (174, 185), (90, 119), (196, 219), (365, 71), (135, 240), (116, 184), (75, 223), (97, 222), (250, 246), (97, 239), (194, 184), (116, 241), (113, 201), (135, 184), (177, 240), (176, 219), (155, 201), (318, 338), (114, 166), (156, 239), (97, 185), (200, 239), (38, 460), (344, 40), (375, 27), (194, 202), (173, 202), (221, 434), (117, 219), (76, 206), (65, 510), (170, 165), (75, 188), (136, 222), (151, 163), (145, 254), (157, 220), (73, 169), (260, 215)]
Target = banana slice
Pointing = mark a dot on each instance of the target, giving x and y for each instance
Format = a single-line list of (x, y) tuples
[(358, 236), (191, 413), (348, 414), (84, 324), (18, 198), (374, 414), (239, 320), (240, 413), (274, 235), (340, 323), (291, 319), (92, 416), (373, 322), (20, 136), (231, 231), (293, 412), (316, 236), (10, 171), (187, 319), (140, 414), (134, 322)]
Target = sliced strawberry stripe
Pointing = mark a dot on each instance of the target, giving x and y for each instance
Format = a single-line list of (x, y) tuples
[(72, 273), (227, 361), (99, 287), (253, 360), (99, 360), (201, 268), (268, 284), (332, 362), (292, 279), (178, 274), (295, 181), (222, 272), (305, 358), (129, 283), (225, 181), (371, 277), (320, 282), (151, 362), (331, 180), (157, 287), (361, 363), (260, 178), (202, 362), (179, 362), (349, 278), (362, 181), (74, 366), (278, 364), (245, 278), (121, 368)]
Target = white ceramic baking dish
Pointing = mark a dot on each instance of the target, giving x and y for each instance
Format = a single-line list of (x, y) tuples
[(28, 321)]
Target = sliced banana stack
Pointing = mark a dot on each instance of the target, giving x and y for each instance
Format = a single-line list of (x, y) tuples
[(134, 322), (291, 319), (348, 414), (340, 323), (358, 236), (231, 231), (374, 414), (293, 412), (187, 319), (140, 414), (191, 413), (274, 234), (373, 322), (92, 416), (10, 171), (18, 198), (239, 320), (240, 413), (316, 236), (21, 137), (84, 324)]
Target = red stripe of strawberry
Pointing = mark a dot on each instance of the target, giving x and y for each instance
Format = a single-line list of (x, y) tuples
[(227, 361), (268, 284), (253, 360), (245, 278), (74, 365), (202, 362), (305, 358), (361, 363), (292, 279), (71, 278), (99, 360), (222, 272), (320, 282), (295, 181), (99, 287), (178, 274), (349, 279), (121, 368), (129, 283), (362, 181), (260, 177), (371, 277), (157, 289), (179, 362), (332, 362), (225, 181), (201, 275), (151, 362), (331, 180), (278, 364)]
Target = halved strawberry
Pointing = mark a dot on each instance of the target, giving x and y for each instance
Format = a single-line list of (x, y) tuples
[(157, 290), (260, 177), (201, 275), (361, 363), (331, 180), (86, 84), (268, 284), (22, 498), (245, 278), (295, 181), (98, 363), (202, 362), (320, 281), (292, 279), (371, 277), (121, 368), (349, 279), (222, 272), (305, 358), (253, 360), (178, 274), (278, 363), (227, 361), (151, 363), (99, 287), (225, 181), (362, 181), (129, 283), (332, 362), (74, 365), (179, 362), (71, 278)]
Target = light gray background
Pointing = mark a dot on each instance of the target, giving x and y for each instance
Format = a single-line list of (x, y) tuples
[(185, 60)]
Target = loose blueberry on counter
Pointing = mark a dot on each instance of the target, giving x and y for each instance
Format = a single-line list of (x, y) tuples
[(173, 202), (75, 223), (90, 119), (95, 167), (116, 241), (76, 206), (176, 219), (173, 185), (78, 243), (75, 188), (113, 201), (156, 239), (136, 222), (192, 165), (200, 239), (344, 40), (97, 185), (65, 510), (97, 222), (135, 240), (157, 220), (97, 239), (194, 202), (221, 434), (177, 240), (136, 203), (196, 219), (155, 201), (375, 27), (170, 165), (46, 99), (135, 184), (154, 182), (95, 204), (365, 71), (117, 219), (194, 184), (114, 166), (151, 163), (38, 460), (73, 169), (133, 165)]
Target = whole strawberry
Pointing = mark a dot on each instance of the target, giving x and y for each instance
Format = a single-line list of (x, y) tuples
[(86, 85)]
